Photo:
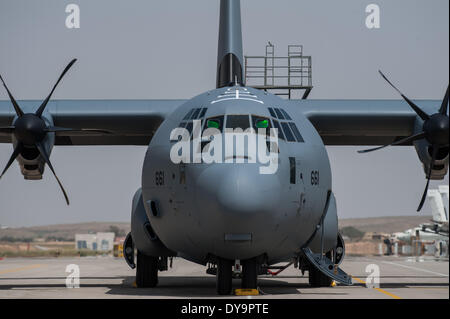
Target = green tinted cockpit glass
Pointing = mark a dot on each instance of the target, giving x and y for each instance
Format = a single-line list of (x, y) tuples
[(213, 124), (262, 123)]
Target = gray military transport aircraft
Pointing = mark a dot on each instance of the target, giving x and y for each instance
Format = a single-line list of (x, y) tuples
[(230, 215)]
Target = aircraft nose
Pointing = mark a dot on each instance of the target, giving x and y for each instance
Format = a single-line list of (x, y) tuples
[(236, 210), (238, 190)]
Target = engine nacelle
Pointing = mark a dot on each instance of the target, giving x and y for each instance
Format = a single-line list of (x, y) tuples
[(440, 167), (425, 150), (144, 237), (30, 161)]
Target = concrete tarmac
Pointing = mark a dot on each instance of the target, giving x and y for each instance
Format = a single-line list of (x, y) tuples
[(108, 277)]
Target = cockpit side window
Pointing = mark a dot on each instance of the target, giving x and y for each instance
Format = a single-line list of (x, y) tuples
[(195, 114), (189, 127), (296, 132), (276, 125), (279, 114), (188, 116), (286, 116), (202, 113), (287, 132), (272, 112)]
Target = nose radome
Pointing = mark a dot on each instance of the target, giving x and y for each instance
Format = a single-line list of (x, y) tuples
[(244, 191), (238, 189)]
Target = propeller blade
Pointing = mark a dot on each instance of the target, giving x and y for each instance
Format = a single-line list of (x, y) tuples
[(63, 129), (443, 109), (433, 159), (424, 116), (17, 108), (44, 104), (405, 140), (17, 150), (7, 129), (41, 149)]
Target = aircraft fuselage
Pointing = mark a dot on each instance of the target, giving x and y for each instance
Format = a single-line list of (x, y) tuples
[(231, 210)]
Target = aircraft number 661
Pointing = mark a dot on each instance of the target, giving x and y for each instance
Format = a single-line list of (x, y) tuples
[(159, 178), (315, 178)]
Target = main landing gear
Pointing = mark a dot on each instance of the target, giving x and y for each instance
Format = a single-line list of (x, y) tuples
[(146, 271)]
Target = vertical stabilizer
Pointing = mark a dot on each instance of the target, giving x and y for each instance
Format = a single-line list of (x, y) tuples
[(444, 190), (437, 206), (229, 55)]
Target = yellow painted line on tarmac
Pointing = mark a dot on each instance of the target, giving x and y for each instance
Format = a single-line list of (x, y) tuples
[(378, 289), (7, 271)]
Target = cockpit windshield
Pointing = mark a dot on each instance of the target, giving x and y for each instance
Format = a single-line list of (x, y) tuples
[(215, 122), (238, 121), (259, 122)]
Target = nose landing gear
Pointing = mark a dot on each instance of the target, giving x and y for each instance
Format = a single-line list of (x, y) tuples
[(250, 274), (224, 275), (224, 278)]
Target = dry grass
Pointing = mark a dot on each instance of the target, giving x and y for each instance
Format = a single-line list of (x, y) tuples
[(388, 225)]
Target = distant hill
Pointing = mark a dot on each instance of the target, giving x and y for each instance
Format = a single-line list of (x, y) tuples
[(65, 232), (388, 224)]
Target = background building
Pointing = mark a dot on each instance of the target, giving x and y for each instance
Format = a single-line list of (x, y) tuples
[(98, 241)]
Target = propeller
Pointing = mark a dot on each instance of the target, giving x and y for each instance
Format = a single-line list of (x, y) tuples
[(435, 131), (30, 129)]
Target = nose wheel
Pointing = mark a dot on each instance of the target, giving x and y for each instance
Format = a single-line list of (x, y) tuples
[(249, 274), (224, 276)]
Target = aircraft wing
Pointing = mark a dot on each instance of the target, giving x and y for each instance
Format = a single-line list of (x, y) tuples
[(362, 122), (131, 122)]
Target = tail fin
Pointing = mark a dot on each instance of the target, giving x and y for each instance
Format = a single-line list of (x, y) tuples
[(437, 206), (444, 190), (229, 55)]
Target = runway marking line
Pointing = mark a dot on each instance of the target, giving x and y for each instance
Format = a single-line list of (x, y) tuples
[(378, 289), (414, 268), (19, 269)]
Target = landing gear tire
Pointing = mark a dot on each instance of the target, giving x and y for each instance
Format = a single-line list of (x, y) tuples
[(146, 271), (318, 279), (249, 274), (224, 279)]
